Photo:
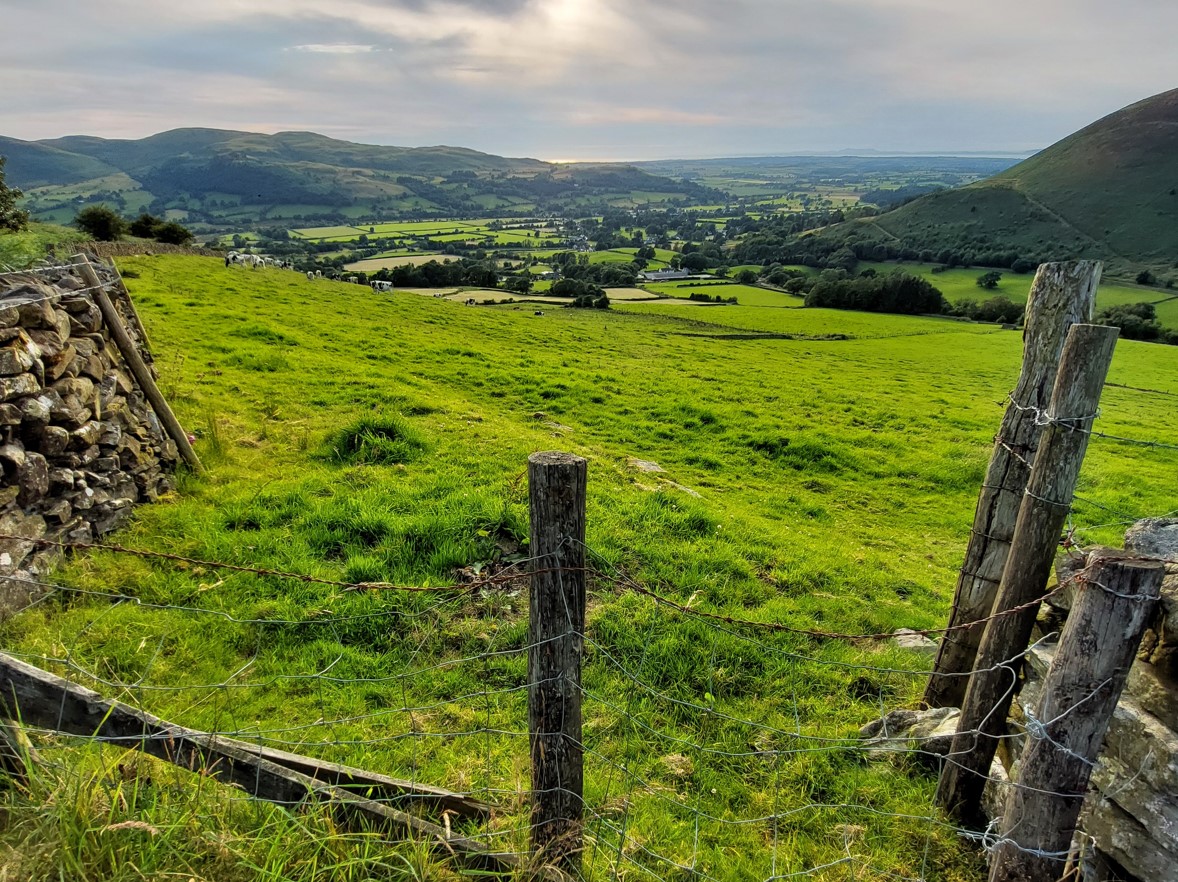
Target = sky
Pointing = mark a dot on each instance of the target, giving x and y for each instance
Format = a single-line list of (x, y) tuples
[(589, 79)]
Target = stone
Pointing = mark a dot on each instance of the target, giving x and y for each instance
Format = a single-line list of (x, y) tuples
[(77, 387), (57, 512), (33, 478), (26, 529), (62, 323), (94, 368), (86, 434), (20, 355), (9, 316), (12, 456), (15, 387), (10, 415), (40, 409), (112, 435), (54, 441), (61, 480), (105, 464), (60, 365), (906, 638), (48, 341), (1154, 537), (85, 321)]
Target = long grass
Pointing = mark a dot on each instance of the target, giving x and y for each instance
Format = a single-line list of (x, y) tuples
[(816, 483)]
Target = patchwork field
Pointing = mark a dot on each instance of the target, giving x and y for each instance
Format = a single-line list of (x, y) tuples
[(822, 480)]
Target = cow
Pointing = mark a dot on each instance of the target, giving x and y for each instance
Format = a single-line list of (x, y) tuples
[(378, 285), (310, 276)]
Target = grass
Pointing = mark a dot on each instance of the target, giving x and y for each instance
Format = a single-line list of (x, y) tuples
[(809, 482), (38, 242)]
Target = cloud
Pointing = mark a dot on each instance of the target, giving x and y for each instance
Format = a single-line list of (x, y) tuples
[(335, 48), (609, 78)]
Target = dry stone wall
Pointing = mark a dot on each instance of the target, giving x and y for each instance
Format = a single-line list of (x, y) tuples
[(79, 444)]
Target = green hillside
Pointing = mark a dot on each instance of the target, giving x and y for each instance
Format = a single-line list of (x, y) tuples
[(1109, 191), (213, 179), (803, 479)]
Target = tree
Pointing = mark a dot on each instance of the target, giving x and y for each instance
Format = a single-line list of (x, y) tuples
[(173, 233), (145, 225), (100, 222), (989, 280), (11, 217), (1145, 277)]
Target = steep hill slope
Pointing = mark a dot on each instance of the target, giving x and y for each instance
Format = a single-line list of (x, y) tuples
[(217, 178), (1108, 191)]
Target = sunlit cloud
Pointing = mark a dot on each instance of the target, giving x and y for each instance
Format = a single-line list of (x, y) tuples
[(335, 48), (589, 78)]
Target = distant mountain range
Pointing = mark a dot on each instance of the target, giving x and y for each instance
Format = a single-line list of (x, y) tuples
[(1109, 191), (224, 178)]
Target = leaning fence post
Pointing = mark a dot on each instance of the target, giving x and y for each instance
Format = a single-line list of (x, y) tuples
[(1064, 733), (1046, 503), (1062, 294), (556, 484)]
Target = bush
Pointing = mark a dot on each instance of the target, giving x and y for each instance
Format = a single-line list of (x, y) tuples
[(11, 217), (101, 223), (173, 233), (145, 225)]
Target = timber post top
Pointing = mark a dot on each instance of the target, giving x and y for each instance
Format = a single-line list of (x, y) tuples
[(555, 457)]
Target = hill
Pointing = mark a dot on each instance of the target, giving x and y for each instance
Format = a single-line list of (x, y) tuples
[(214, 178), (1109, 191), (802, 480)]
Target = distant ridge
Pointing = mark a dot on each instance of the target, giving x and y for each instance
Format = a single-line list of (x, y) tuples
[(1109, 191), (225, 178)]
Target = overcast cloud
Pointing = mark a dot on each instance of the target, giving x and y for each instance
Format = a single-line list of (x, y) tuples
[(588, 79)]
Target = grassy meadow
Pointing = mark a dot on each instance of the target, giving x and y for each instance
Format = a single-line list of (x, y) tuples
[(812, 482)]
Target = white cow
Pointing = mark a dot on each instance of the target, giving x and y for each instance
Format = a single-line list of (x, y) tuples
[(381, 286), (319, 274), (310, 276)]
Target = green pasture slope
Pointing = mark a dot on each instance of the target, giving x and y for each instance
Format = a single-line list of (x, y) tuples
[(818, 483)]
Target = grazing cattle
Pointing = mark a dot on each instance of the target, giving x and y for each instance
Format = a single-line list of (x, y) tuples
[(470, 301), (381, 286), (319, 274), (310, 276), (538, 312)]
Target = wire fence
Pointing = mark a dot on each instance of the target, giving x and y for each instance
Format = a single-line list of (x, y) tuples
[(716, 746), (684, 767)]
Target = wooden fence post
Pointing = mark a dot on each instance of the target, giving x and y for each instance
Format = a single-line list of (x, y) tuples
[(1046, 503), (1083, 685), (1062, 294), (556, 483), (138, 367)]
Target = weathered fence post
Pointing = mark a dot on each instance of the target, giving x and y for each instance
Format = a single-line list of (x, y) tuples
[(139, 369), (1046, 502), (556, 483), (1062, 294), (1116, 599)]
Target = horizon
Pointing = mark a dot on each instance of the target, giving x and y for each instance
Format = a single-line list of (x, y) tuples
[(597, 80), (845, 153)]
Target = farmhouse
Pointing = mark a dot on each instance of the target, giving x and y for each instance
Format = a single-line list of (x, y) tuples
[(664, 275)]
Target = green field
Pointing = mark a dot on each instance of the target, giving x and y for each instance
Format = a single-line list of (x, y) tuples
[(810, 482), (961, 284)]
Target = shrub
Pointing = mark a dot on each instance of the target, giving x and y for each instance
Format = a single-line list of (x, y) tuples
[(101, 223), (11, 217)]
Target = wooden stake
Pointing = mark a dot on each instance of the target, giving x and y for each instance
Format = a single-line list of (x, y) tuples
[(47, 701), (556, 483), (1116, 599), (138, 367), (1045, 507), (1061, 295)]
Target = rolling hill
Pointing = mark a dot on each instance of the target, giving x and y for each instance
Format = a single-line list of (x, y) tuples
[(212, 178), (1109, 191)]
